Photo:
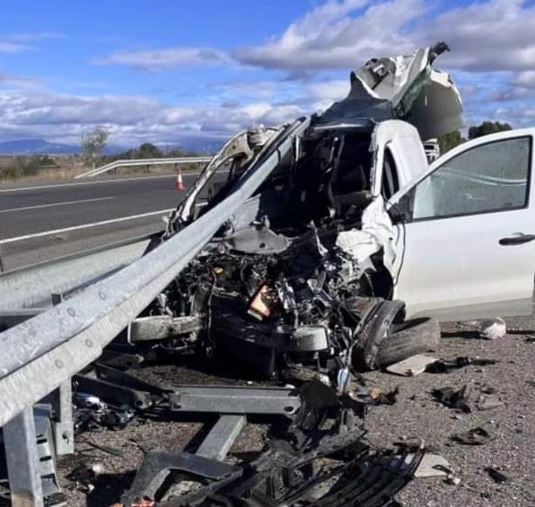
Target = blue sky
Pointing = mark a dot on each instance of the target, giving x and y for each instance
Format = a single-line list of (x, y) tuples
[(179, 72)]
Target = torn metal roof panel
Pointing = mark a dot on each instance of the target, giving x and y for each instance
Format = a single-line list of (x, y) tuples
[(404, 87)]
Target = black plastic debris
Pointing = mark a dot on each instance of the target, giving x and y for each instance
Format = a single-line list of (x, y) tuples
[(103, 415), (339, 471), (475, 436), (454, 398), (158, 465), (317, 395), (496, 475), (108, 397), (321, 458), (86, 475), (449, 365)]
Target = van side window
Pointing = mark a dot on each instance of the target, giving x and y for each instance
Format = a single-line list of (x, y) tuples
[(487, 178), (390, 175)]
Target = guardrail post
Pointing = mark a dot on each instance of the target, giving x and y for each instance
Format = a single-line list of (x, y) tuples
[(61, 400), (22, 460), (63, 423)]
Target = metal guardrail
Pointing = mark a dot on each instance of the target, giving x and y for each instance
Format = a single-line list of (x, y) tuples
[(33, 286), (142, 162), (42, 353)]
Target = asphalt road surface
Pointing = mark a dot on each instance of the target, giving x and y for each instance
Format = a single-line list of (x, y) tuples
[(43, 221)]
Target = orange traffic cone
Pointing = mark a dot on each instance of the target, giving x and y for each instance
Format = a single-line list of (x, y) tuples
[(179, 181)]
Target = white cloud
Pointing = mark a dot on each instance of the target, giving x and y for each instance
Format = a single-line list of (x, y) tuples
[(496, 35), (17, 81), (323, 94), (309, 95), (159, 59), (10, 47), (489, 36), (22, 42), (262, 88), (338, 35), (525, 79), (55, 109), (492, 35), (35, 36), (132, 120)]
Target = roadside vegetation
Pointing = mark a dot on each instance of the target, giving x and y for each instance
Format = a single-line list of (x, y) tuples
[(92, 147), (21, 167), (452, 139)]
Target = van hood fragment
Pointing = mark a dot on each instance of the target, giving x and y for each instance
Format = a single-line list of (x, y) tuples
[(401, 87)]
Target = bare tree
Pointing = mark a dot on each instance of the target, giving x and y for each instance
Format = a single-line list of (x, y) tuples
[(93, 143)]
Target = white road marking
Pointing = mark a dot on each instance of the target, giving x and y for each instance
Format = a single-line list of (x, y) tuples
[(83, 226), (60, 185), (64, 203), (100, 182)]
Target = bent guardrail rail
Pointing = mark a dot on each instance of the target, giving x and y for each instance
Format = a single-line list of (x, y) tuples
[(142, 162), (34, 285), (43, 352)]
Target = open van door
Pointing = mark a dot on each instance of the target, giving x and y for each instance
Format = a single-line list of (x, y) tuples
[(468, 231), (399, 157)]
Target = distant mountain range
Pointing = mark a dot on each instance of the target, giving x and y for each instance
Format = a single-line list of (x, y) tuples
[(42, 147)]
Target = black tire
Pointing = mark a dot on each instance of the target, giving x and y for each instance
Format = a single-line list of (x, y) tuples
[(408, 339)]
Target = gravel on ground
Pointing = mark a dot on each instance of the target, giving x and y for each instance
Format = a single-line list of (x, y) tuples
[(416, 415)]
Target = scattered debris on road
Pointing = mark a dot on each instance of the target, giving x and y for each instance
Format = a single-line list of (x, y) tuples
[(496, 475), (459, 399), (474, 436), (433, 465), (492, 329), (449, 365), (411, 366)]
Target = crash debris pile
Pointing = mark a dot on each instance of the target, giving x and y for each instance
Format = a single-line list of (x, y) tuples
[(317, 452), (321, 458)]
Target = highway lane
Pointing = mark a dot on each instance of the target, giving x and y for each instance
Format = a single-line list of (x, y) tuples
[(127, 206), (31, 210)]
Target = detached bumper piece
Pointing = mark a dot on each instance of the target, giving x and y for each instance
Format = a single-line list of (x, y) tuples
[(321, 459), (157, 466), (339, 473), (347, 474)]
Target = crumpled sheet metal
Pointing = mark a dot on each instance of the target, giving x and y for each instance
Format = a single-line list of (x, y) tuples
[(405, 87), (377, 233)]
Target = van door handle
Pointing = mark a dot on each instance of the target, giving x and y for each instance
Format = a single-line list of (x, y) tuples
[(517, 239)]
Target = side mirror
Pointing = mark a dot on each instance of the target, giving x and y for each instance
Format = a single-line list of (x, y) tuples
[(401, 212)]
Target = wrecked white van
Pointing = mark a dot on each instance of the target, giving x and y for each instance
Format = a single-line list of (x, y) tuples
[(353, 241)]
